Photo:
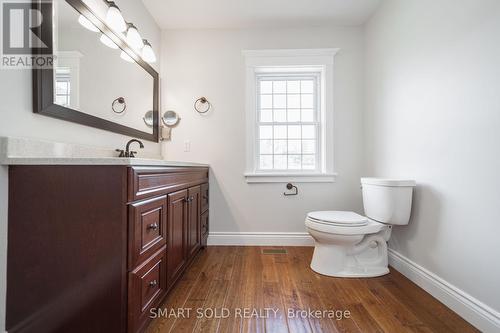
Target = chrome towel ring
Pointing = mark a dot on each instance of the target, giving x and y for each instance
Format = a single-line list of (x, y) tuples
[(202, 105), (119, 105)]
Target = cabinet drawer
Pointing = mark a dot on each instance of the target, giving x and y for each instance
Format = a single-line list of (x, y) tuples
[(147, 287), (146, 182), (147, 229), (204, 197), (204, 223)]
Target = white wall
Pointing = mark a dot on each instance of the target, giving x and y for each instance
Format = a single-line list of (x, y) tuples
[(433, 115), (17, 119), (116, 78), (209, 63)]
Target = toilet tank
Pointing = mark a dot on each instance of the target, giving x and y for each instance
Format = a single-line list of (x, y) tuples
[(387, 200)]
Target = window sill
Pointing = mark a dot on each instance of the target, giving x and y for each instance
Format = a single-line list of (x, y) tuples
[(290, 178)]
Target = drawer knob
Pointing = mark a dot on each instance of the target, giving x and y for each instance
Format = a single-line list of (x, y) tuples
[(153, 283), (153, 226)]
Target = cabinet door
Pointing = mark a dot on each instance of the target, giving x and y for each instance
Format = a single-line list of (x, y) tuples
[(177, 224), (204, 197), (204, 228), (194, 228), (147, 229)]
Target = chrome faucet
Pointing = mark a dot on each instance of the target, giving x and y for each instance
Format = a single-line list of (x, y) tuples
[(127, 152)]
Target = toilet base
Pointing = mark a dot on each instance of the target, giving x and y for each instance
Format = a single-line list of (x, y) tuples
[(347, 262), (352, 273)]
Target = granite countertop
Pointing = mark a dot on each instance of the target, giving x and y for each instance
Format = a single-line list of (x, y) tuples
[(16, 151), (95, 161)]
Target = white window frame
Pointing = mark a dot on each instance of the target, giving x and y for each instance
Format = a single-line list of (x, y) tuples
[(294, 76), (71, 60), (66, 78), (319, 61)]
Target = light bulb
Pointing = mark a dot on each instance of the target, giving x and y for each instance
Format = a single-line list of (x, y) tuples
[(87, 24), (107, 41), (126, 57), (147, 52), (114, 18), (133, 37)]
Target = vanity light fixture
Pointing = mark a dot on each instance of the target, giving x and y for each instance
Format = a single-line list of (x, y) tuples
[(147, 52), (133, 37), (87, 24), (126, 57), (108, 42), (115, 20), (114, 17)]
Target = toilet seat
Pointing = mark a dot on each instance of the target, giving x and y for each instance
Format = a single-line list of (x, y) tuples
[(338, 217), (347, 223)]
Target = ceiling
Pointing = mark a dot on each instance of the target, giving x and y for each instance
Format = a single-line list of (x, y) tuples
[(212, 14)]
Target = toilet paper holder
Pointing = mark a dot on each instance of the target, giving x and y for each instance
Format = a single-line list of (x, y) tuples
[(289, 187)]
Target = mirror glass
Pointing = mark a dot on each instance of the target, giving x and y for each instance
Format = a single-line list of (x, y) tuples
[(93, 78), (170, 118)]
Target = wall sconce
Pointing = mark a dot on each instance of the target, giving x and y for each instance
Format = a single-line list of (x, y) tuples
[(114, 17), (147, 52), (126, 57), (108, 42), (133, 37), (87, 24)]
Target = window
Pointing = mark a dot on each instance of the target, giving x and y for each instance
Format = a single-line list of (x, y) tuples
[(63, 86), (289, 115), (67, 79), (288, 122)]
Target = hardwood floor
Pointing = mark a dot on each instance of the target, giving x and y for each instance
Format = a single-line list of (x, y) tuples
[(232, 280)]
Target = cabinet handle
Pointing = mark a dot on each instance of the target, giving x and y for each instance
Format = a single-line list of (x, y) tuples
[(189, 199), (153, 283), (153, 226)]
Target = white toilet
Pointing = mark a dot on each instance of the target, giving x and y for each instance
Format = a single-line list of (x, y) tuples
[(351, 245)]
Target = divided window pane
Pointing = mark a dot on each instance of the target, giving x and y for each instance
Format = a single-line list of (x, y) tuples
[(287, 123), (280, 115)]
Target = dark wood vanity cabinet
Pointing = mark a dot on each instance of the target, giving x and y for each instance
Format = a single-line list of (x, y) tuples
[(95, 248), (193, 231), (147, 286), (204, 214), (147, 223), (184, 229), (177, 216)]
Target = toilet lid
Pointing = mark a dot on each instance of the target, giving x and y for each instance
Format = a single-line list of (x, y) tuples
[(338, 217)]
